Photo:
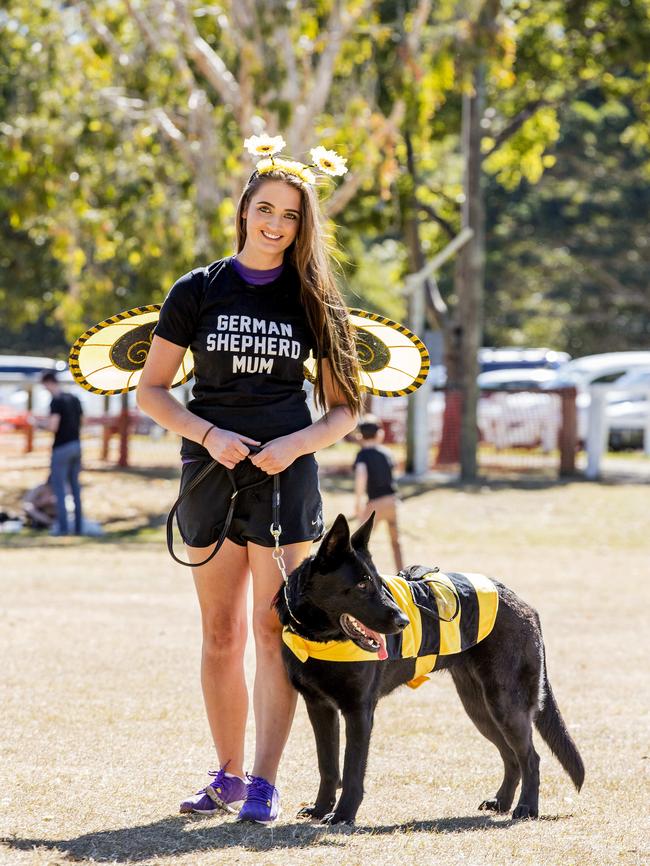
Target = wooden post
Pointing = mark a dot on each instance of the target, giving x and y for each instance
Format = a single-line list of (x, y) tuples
[(29, 429), (106, 437), (568, 432), (123, 429)]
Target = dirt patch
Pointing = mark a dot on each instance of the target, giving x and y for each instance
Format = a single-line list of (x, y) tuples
[(102, 716)]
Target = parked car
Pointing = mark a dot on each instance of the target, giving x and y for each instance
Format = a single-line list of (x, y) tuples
[(628, 407), (633, 385), (627, 422), (511, 357), (28, 365), (604, 369), (515, 379)]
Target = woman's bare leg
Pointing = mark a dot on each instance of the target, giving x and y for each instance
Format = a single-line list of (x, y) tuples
[(274, 699), (221, 586)]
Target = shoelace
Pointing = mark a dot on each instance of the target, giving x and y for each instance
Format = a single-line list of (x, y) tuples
[(259, 790), (219, 776)]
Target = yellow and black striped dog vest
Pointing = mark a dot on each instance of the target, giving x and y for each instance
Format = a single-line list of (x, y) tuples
[(448, 613)]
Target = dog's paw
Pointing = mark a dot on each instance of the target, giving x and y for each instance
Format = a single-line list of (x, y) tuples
[(493, 805), (332, 818), (311, 812), (522, 812)]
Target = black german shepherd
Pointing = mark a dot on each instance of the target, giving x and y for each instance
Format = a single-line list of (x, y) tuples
[(337, 595)]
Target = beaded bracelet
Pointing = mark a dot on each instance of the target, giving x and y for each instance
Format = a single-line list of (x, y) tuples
[(205, 435)]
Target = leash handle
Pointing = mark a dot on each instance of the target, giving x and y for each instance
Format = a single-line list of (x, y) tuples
[(254, 449), (170, 517)]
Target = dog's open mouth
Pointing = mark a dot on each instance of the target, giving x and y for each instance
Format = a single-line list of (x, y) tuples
[(363, 637)]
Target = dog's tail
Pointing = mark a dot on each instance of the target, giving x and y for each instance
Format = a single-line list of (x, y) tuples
[(550, 724)]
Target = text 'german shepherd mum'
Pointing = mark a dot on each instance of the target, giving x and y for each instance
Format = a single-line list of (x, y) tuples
[(351, 637)]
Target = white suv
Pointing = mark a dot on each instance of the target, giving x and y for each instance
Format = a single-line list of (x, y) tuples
[(603, 369)]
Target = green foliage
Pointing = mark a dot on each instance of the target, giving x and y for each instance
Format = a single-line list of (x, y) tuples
[(103, 205), (569, 259)]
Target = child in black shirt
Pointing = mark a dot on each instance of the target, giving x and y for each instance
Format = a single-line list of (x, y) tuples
[(373, 481)]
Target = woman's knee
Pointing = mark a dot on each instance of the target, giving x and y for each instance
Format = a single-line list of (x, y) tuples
[(224, 639), (267, 630)]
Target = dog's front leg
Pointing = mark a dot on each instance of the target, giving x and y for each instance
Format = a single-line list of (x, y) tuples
[(324, 720), (358, 727)]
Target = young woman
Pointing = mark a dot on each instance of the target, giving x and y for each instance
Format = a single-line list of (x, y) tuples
[(251, 320)]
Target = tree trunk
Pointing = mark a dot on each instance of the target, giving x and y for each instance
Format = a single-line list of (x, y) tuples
[(470, 269)]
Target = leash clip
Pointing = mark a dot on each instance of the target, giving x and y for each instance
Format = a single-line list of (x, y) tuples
[(278, 552)]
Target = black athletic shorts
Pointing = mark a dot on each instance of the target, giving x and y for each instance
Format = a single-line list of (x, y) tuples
[(202, 513)]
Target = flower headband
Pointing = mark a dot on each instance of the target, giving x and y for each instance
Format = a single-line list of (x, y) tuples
[(327, 161)]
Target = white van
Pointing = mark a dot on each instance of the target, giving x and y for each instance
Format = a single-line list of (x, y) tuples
[(590, 370)]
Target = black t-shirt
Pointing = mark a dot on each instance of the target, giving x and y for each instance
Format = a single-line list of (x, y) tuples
[(379, 463), (69, 408), (249, 344)]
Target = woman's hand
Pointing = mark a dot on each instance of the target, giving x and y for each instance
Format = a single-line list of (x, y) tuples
[(277, 454), (226, 447)]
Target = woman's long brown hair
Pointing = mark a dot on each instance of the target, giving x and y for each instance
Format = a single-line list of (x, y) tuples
[(326, 311)]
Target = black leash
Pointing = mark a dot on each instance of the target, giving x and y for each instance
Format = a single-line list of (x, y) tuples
[(212, 464), (275, 528)]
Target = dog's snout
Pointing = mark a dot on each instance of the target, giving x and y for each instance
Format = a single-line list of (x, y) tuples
[(401, 620)]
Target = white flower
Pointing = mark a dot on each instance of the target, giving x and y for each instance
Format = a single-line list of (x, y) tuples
[(264, 145), (328, 161)]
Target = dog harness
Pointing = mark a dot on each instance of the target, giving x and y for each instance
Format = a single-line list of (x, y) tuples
[(448, 613)]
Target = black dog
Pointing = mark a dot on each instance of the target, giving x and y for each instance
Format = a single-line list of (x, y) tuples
[(337, 595)]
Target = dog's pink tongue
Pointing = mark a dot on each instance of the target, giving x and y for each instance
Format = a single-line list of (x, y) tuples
[(382, 655)]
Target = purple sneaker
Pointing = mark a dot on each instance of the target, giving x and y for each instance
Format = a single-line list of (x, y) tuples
[(262, 802), (225, 792)]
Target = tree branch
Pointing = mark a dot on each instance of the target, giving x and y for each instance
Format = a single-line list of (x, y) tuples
[(420, 17), (208, 61), (291, 87), (442, 222), (338, 27), (347, 190), (515, 124), (527, 112), (103, 33), (151, 38), (164, 122)]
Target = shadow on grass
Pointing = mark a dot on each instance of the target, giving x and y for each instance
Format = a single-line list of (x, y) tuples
[(146, 528), (160, 473), (179, 836)]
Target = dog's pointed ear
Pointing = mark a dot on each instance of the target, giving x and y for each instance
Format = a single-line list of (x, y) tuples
[(335, 542), (361, 537)]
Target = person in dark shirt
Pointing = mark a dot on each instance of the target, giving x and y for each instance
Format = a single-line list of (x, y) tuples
[(65, 423), (374, 485), (251, 321)]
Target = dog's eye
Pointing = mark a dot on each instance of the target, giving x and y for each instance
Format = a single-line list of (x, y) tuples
[(365, 583)]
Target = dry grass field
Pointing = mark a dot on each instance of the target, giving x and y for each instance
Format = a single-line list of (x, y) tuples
[(103, 730)]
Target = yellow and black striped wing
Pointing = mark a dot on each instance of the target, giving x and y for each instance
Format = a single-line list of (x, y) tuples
[(393, 360), (108, 358)]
